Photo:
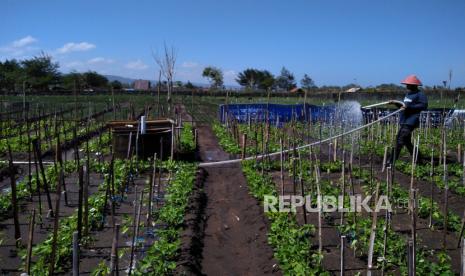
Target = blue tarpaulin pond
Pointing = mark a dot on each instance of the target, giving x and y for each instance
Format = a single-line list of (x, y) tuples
[(280, 113), (348, 112)]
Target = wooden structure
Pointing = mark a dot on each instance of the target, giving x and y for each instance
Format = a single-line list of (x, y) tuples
[(157, 138)]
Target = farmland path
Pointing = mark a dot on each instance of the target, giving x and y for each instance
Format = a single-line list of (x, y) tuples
[(235, 240)]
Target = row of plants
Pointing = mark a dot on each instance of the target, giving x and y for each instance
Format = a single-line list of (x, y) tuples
[(161, 256), (187, 142), (395, 257), (25, 191), (289, 240), (96, 217), (66, 133)]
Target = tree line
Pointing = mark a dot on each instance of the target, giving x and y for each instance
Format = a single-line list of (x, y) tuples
[(256, 79), (40, 73)]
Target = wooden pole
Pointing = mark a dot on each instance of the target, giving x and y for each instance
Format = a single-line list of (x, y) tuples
[(373, 233), (431, 177), (282, 166), (44, 179), (414, 206), (80, 202), (343, 241), (319, 206), (85, 198), (75, 253), (135, 226), (152, 184), (114, 252), (411, 259), (51, 267), (36, 165), (461, 230), (14, 202), (445, 209), (244, 145), (462, 260), (30, 241)]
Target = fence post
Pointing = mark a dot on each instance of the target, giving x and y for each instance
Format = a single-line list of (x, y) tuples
[(114, 252), (75, 254), (410, 259), (343, 241)]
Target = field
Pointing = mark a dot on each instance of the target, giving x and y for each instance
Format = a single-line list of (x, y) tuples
[(67, 204)]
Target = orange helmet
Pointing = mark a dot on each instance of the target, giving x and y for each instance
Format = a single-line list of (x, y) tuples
[(412, 80)]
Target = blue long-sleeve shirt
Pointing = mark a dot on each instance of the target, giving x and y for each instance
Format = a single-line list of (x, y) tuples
[(415, 102)]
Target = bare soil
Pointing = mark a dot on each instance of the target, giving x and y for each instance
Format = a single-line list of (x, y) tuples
[(235, 241)]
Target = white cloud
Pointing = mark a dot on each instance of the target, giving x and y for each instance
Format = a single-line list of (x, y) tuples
[(136, 65), (73, 64), (75, 47), (19, 47), (100, 60), (23, 41), (189, 64)]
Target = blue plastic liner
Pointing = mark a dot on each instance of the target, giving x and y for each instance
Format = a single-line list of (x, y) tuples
[(275, 112)]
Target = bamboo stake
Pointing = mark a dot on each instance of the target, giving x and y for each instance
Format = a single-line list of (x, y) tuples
[(462, 271), (244, 145), (152, 184), (414, 206), (302, 192), (461, 229), (80, 202), (114, 252), (135, 226), (36, 165), (431, 175), (42, 170), (373, 233), (30, 241), (410, 259), (14, 202), (75, 253), (319, 203), (282, 167), (343, 242), (51, 267), (343, 185), (85, 198)]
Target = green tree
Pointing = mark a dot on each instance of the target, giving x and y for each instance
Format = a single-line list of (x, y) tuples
[(286, 80), (214, 75), (307, 83), (11, 73), (189, 85), (116, 84), (41, 72), (248, 78), (95, 80), (266, 80), (256, 79), (72, 80)]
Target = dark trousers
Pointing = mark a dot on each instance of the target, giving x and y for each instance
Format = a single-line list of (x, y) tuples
[(404, 138)]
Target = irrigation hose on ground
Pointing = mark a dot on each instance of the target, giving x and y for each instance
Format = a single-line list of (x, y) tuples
[(259, 157)]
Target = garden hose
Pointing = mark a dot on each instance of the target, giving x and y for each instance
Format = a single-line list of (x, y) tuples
[(262, 156)]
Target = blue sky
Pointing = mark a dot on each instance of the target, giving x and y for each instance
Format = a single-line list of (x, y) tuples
[(335, 42)]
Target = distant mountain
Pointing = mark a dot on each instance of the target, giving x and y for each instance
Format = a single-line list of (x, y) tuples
[(131, 80), (120, 79)]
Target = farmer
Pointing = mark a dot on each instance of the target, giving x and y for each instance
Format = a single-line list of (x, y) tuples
[(415, 102)]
